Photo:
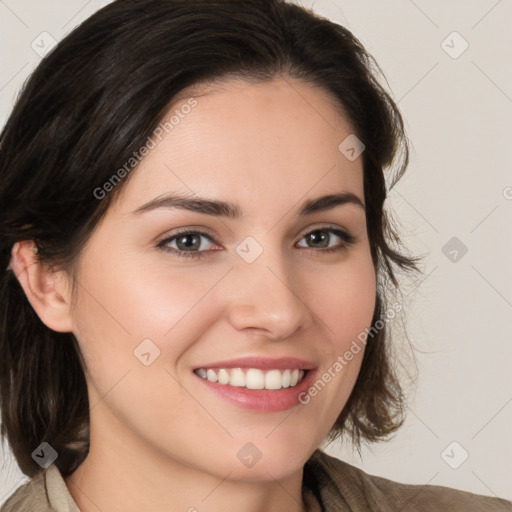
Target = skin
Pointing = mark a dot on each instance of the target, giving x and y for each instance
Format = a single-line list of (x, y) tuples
[(160, 440)]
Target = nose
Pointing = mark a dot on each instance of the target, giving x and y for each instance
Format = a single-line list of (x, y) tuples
[(267, 298)]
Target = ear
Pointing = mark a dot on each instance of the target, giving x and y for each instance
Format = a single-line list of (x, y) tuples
[(47, 291)]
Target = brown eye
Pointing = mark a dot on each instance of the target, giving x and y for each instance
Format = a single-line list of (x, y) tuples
[(187, 244), (321, 238)]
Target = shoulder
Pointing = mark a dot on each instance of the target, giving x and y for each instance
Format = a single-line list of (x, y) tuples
[(46, 492), (342, 486), (29, 497)]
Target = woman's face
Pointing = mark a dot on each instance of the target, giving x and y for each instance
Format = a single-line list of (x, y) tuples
[(265, 293)]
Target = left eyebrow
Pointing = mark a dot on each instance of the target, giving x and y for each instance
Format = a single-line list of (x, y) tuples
[(323, 203), (233, 211)]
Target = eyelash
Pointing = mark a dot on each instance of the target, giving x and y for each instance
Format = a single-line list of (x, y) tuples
[(346, 237)]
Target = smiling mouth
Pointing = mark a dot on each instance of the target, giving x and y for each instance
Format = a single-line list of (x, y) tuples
[(253, 378)]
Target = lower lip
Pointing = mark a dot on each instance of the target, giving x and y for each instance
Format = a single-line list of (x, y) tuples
[(262, 400)]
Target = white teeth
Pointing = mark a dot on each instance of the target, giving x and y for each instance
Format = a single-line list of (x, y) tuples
[(286, 378), (223, 376), (253, 378), (237, 378), (273, 379), (210, 375)]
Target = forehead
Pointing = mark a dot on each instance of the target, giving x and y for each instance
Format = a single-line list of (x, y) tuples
[(263, 142)]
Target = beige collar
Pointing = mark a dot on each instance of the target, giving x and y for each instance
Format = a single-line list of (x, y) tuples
[(57, 491)]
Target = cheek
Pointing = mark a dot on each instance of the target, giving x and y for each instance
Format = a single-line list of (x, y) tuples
[(131, 298), (344, 299), (345, 303), (118, 311), (121, 306)]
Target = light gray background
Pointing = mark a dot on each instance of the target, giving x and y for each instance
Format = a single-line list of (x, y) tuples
[(459, 184)]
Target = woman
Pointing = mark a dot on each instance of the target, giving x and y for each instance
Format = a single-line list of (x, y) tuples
[(197, 265)]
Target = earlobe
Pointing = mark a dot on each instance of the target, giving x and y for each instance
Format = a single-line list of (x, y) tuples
[(45, 289)]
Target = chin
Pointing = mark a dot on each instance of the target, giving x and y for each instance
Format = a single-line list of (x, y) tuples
[(266, 459), (266, 470)]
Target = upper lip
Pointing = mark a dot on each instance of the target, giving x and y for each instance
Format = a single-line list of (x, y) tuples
[(262, 363)]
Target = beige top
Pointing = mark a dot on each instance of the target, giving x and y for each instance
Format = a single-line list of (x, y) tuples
[(338, 487)]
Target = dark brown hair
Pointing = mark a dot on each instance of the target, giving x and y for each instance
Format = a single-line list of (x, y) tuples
[(92, 102)]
